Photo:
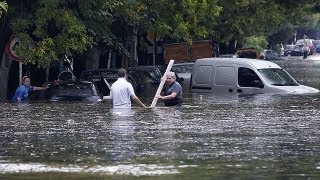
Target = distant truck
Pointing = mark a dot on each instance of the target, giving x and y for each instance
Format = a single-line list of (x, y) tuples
[(184, 52)]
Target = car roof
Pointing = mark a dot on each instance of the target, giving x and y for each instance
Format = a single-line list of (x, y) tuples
[(259, 64), (183, 63)]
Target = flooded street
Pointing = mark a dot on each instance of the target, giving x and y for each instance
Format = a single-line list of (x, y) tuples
[(251, 137)]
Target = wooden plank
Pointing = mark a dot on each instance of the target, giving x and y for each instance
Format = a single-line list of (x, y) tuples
[(163, 79)]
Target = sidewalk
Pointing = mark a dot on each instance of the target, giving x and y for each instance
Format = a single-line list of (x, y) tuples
[(310, 57)]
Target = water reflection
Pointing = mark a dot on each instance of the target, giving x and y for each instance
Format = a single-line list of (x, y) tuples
[(221, 137)]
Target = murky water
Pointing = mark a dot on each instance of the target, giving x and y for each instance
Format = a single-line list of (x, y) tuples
[(253, 137)]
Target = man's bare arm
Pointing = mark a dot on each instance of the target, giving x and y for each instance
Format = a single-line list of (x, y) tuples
[(137, 100)]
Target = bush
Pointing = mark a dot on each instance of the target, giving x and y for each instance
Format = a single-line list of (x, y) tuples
[(258, 42)]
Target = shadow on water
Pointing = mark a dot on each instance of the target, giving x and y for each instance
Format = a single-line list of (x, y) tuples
[(213, 137)]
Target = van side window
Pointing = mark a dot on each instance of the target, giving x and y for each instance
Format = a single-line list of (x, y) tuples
[(203, 75), (225, 76), (248, 78)]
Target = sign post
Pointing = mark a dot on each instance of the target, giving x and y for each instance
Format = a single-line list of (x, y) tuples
[(155, 99)]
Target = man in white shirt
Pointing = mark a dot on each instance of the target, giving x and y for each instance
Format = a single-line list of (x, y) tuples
[(121, 91)]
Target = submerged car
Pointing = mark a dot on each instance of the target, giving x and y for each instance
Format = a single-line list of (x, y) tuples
[(243, 76), (84, 91), (183, 70), (146, 74), (141, 77)]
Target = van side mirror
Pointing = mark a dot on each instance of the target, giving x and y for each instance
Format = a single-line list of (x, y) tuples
[(258, 83)]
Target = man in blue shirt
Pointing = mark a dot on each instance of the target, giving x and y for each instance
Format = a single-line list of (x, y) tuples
[(22, 92), (172, 91)]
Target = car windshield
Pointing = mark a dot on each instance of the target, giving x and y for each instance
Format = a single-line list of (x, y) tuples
[(82, 90), (155, 74), (278, 77), (291, 47), (186, 68)]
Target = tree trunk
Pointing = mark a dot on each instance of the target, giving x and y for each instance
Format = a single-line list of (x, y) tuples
[(109, 59), (92, 62), (5, 63), (133, 50), (154, 49), (4, 83)]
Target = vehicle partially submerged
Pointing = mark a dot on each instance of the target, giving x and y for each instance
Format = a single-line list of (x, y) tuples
[(183, 69), (243, 76), (82, 91), (68, 88), (141, 78)]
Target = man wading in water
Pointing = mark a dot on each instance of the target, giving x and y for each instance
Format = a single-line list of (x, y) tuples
[(121, 91), (172, 91)]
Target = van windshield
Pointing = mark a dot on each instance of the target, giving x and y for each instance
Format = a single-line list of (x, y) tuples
[(278, 77)]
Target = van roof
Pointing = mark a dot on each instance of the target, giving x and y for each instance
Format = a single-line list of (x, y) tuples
[(259, 64)]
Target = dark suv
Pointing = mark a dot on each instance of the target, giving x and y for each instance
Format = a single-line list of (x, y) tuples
[(104, 78), (70, 91), (293, 50)]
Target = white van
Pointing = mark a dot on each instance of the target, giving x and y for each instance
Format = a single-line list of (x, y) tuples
[(243, 76)]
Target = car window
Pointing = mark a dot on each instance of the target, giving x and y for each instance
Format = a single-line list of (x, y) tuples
[(224, 76), (278, 77), (183, 68), (81, 90), (247, 77), (176, 69)]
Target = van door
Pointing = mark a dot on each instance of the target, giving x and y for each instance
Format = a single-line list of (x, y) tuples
[(224, 81), (248, 81), (202, 78)]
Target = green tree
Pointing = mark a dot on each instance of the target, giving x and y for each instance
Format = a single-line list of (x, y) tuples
[(68, 27), (55, 29), (258, 42), (3, 7), (185, 20)]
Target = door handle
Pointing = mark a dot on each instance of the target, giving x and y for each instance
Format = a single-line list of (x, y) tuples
[(230, 90), (239, 90)]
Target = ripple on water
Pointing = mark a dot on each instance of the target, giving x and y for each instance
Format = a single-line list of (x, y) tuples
[(126, 169)]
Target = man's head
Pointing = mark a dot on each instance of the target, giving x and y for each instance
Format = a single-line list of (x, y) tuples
[(26, 80), (122, 73), (170, 77)]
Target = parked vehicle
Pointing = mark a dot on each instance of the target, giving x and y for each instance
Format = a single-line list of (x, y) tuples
[(269, 54), (141, 77), (83, 91), (308, 42), (104, 78), (248, 53), (183, 70), (68, 88), (147, 74), (293, 50), (163, 68), (316, 44), (243, 76), (228, 56)]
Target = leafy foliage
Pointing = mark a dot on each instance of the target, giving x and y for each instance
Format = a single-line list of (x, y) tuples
[(57, 32), (257, 42), (3, 7), (184, 19), (67, 27)]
